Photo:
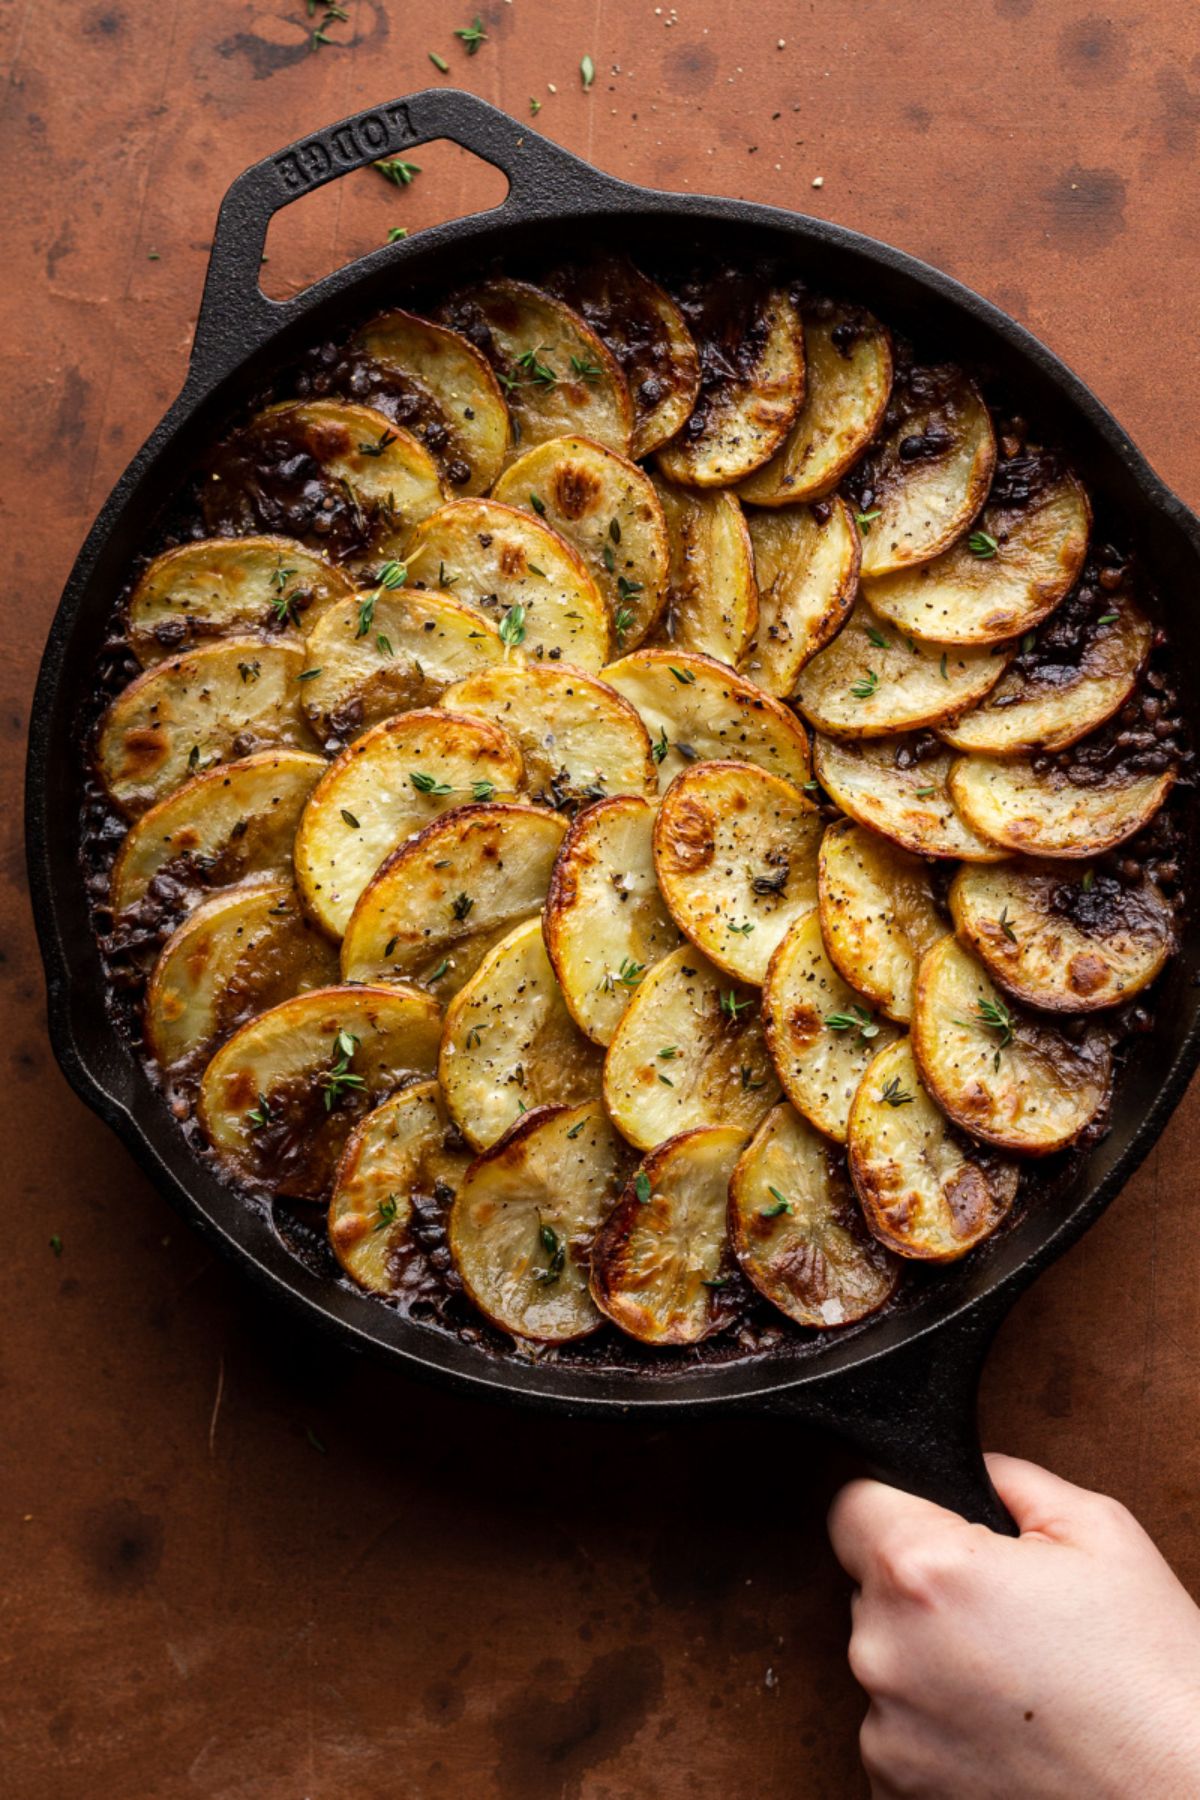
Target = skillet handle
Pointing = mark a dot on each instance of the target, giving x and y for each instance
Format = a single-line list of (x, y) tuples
[(236, 317)]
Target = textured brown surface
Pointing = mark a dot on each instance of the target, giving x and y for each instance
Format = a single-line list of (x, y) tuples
[(444, 1601)]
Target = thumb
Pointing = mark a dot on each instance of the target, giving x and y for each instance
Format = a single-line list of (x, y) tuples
[(1038, 1501)]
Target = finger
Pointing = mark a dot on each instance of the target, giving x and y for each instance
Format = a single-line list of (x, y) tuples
[(1038, 1500), (866, 1514)]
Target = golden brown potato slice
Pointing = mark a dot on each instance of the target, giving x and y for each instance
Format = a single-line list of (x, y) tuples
[(230, 587), (510, 1044), (556, 374), (697, 710), (662, 1256), (927, 1192), (878, 914), (208, 706), (525, 1217), (279, 1098), (607, 507), (848, 363), (712, 603), (1002, 577), (806, 565), (410, 922), (1000, 1073), (820, 1031), (1065, 940), (529, 581), (580, 739), (387, 786), (930, 472), (605, 922), (872, 682), (736, 855), (687, 1052), (1046, 813), (896, 787), (234, 956), (435, 384), (798, 1230), (751, 343), (404, 1151)]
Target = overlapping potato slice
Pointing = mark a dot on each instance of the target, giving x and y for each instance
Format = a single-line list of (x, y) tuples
[(223, 827), (1047, 813), (235, 955), (926, 1193), (899, 789), (207, 706), (580, 739), (798, 1231), (878, 915), (697, 710), (820, 1032), (736, 855), (410, 922), (518, 573), (1005, 1076), (687, 1052), (525, 1217), (387, 786), (510, 1044), (607, 507), (404, 1151), (848, 366), (661, 1259), (230, 587), (751, 343), (873, 682), (605, 922), (806, 566), (339, 477), (1066, 940), (712, 602), (644, 329), (279, 1098), (930, 472), (556, 374), (435, 384), (999, 579)]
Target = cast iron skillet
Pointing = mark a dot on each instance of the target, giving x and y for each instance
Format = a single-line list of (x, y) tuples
[(901, 1389)]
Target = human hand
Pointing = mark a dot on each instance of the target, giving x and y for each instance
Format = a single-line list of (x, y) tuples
[(1063, 1663)]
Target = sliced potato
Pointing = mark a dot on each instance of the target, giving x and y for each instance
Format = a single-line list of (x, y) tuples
[(605, 922), (926, 1192), (580, 739), (687, 1052), (385, 787), (998, 580), (896, 788), (607, 507), (806, 566), (798, 1230), (1046, 813), (712, 602), (230, 587), (234, 956), (1002, 1074), (751, 343), (848, 367), (736, 855), (878, 914), (279, 1098), (440, 388), (510, 1044), (697, 710), (519, 574), (525, 1217), (662, 1256), (405, 1151), (1065, 940), (820, 1031), (556, 374), (410, 924)]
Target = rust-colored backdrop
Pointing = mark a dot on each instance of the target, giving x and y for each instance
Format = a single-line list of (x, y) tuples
[(235, 1565)]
